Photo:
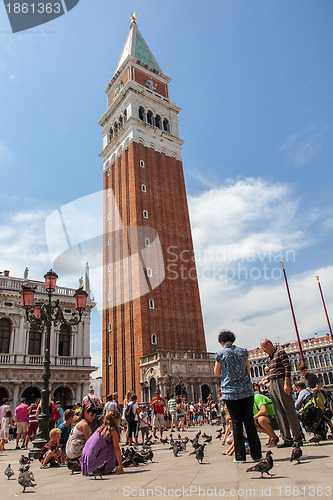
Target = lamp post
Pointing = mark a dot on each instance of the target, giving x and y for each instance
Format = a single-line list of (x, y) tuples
[(44, 315)]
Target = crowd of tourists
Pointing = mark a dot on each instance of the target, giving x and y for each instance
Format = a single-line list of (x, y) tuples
[(88, 434)]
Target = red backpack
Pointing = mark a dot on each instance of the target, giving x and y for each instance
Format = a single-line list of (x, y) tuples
[(55, 414)]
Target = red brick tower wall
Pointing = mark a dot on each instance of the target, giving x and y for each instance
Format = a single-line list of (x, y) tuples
[(176, 319)]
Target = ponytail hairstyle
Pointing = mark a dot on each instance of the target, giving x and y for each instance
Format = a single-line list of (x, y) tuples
[(88, 409), (110, 421)]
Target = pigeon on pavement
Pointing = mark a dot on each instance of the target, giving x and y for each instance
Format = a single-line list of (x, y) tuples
[(73, 465), (199, 453), (24, 460), (25, 480), (296, 453), (264, 465), (98, 471), (9, 472)]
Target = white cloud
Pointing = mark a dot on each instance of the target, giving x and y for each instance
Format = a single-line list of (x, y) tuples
[(5, 154), (241, 232), (23, 243), (301, 147)]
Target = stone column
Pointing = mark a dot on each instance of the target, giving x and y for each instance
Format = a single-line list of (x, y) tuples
[(86, 339), (20, 340), (16, 397)]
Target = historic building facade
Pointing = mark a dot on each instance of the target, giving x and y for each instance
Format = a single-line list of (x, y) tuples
[(150, 288), (318, 354), (22, 347), (189, 374)]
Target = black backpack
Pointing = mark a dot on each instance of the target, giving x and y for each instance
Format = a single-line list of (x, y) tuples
[(129, 413)]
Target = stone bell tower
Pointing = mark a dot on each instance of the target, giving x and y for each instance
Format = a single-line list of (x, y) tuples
[(150, 288)]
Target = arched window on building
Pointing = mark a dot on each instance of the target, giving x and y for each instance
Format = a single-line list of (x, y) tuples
[(5, 331), (330, 376), (150, 118), (115, 127), (252, 372), (327, 360), (261, 373), (326, 381), (35, 341), (120, 121), (158, 121), (316, 360), (311, 363), (142, 114), (321, 359), (125, 115), (166, 125), (64, 346), (256, 371), (111, 134)]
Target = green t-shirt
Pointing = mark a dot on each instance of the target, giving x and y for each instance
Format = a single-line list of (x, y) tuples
[(259, 400)]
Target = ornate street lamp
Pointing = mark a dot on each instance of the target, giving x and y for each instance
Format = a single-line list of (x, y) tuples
[(43, 316)]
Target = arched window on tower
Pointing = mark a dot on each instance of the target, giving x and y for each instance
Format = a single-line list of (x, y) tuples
[(154, 339), (142, 114), (166, 125), (111, 134), (158, 122), (5, 331), (125, 115), (35, 341), (120, 121), (64, 340), (150, 118), (115, 127)]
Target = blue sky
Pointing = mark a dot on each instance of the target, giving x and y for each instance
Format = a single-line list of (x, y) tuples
[(254, 79)]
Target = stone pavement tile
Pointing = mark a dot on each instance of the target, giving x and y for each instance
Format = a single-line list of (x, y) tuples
[(183, 477)]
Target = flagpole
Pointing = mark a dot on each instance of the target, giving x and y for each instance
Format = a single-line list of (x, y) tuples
[(322, 298), (293, 314)]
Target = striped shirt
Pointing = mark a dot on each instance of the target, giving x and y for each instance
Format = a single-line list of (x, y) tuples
[(172, 404), (32, 414), (279, 365)]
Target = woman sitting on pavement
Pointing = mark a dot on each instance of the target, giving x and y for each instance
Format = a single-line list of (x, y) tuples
[(80, 433), (103, 446)]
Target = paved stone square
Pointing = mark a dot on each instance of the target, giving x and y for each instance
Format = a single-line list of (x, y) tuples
[(184, 477)]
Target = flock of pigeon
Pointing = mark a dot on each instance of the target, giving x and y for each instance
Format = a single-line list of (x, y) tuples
[(25, 477), (132, 457)]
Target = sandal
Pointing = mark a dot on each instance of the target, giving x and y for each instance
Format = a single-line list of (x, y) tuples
[(273, 442)]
